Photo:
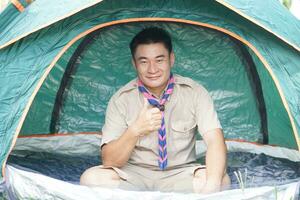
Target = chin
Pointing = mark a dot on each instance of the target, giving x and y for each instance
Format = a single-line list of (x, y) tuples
[(152, 85)]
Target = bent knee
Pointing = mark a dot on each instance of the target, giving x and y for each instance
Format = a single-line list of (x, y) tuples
[(97, 176), (226, 182), (199, 180)]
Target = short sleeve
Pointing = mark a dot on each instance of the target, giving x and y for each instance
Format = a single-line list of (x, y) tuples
[(115, 123), (206, 116)]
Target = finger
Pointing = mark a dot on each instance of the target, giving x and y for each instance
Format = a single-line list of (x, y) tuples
[(154, 125), (156, 121), (157, 127), (155, 110), (146, 104), (157, 116)]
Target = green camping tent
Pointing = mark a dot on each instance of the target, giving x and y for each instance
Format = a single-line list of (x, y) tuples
[(61, 61)]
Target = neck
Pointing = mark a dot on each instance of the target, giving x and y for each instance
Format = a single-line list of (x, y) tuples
[(157, 91)]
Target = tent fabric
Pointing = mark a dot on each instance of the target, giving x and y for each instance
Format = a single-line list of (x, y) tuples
[(43, 15), (56, 158), (108, 48), (88, 144), (36, 41), (93, 97), (206, 19), (31, 185), (37, 15), (287, 28), (44, 187)]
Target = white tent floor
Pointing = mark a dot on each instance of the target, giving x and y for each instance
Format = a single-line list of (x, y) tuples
[(25, 184), (29, 185)]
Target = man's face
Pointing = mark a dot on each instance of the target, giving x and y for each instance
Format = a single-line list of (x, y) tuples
[(153, 63)]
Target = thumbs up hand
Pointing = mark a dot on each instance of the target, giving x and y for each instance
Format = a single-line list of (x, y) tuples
[(149, 120)]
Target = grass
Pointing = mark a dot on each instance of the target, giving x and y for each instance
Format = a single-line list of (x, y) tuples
[(243, 179), (243, 182)]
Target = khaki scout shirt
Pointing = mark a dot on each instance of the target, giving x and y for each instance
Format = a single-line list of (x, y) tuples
[(188, 109)]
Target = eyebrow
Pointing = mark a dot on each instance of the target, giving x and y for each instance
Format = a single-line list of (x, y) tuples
[(159, 56), (141, 58)]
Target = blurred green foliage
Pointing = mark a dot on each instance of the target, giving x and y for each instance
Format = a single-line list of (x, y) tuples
[(287, 3)]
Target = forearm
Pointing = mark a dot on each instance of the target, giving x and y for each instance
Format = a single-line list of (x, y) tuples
[(117, 152), (215, 161)]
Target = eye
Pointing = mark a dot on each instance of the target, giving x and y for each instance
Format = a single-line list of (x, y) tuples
[(159, 61), (143, 62)]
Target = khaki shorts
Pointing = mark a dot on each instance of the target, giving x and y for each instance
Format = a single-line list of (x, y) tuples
[(179, 179)]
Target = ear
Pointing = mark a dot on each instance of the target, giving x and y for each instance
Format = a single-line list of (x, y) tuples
[(133, 63), (172, 58)]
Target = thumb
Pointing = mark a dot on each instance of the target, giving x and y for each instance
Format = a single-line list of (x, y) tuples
[(146, 104)]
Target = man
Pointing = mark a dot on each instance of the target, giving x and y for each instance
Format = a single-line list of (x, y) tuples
[(149, 133)]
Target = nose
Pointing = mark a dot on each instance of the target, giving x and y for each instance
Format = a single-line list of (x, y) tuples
[(152, 68)]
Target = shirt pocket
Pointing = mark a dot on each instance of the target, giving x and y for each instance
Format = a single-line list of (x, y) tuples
[(183, 134), (182, 129)]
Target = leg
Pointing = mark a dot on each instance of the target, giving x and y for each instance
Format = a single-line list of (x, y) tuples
[(99, 176), (199, 180)]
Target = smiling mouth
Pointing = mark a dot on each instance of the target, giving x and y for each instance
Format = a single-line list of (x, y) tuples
[(153, 78)]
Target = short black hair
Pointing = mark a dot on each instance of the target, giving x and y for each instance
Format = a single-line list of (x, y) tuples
[(151, 35)]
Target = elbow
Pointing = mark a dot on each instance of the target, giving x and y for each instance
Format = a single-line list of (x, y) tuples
[(111, 160), (111, 163)]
